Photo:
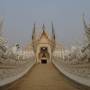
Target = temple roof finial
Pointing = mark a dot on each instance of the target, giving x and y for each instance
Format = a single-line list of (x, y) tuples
[(43, 28), (33, 32), (53, 32)]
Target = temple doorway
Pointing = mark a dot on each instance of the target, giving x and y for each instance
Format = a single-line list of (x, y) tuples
[(44, 61), (44, 55)]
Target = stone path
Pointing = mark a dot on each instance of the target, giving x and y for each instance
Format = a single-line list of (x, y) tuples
[(43, 77)]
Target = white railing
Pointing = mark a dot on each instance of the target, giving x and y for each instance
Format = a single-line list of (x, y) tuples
[(78, 73), (75, 67), (14, 62), (11, 72)]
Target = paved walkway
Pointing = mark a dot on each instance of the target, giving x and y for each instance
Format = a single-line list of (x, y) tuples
[(43, 77)]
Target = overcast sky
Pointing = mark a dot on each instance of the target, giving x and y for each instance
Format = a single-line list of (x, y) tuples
[(19, 16)]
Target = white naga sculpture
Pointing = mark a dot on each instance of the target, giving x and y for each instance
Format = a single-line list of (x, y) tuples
[(76, 62), (2, 42), (86, 49), (82, 54)]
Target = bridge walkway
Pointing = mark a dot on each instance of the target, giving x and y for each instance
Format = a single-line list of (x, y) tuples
[(43, 77)]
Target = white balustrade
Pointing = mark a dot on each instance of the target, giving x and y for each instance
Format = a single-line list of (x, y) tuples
[(14, 64), (75, 64)]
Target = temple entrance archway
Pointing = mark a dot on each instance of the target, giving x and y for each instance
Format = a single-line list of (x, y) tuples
[(44, 55)]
